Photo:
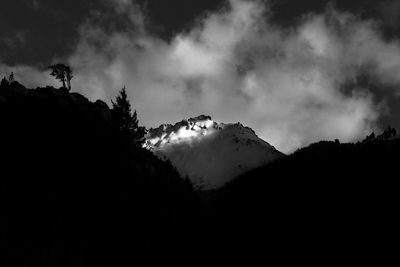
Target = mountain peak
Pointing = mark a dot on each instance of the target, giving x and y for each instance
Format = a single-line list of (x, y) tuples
[(208, 152)]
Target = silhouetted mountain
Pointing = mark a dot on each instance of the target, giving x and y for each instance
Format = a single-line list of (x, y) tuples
[(209, 153), (328, 200), (74, 192)]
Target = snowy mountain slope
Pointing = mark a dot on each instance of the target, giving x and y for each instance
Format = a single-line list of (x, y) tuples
[(210, 153)]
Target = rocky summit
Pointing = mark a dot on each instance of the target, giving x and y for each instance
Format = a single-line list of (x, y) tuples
[(210, 153)]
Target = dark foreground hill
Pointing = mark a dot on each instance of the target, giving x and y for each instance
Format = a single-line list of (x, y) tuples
[(327, 202), (76, 193)]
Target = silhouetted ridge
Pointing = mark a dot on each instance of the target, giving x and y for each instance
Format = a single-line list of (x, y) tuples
[(388, 134), (75, 192), (325, 201)]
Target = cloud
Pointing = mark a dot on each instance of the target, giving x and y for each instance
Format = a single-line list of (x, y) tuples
[(389, 10), (35, 4), (29, 76), (289, 84), (15, 41)]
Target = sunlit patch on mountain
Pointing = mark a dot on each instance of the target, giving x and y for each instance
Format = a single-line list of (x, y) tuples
[(209, 153)]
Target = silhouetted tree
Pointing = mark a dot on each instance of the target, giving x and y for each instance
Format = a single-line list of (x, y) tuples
[(63, 73), (11, 78), (388, 133), (124, 120), (370, 137), (4, 82)]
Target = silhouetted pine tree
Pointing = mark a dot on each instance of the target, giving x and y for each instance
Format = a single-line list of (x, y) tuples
[(11, 78), (125, 121), (4, 83)]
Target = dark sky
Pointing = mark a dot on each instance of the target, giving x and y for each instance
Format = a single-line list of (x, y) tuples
[(36, 32)]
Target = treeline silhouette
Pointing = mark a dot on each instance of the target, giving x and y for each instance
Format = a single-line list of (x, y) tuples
[(75, 191), (78, 190), (326, 203)]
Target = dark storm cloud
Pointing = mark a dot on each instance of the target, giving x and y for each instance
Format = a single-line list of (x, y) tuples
[(290, 83), (15, 41), (51, 28), (386, 12), (390, 13), (174, 16)]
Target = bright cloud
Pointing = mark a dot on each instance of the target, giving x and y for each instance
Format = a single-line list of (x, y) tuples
[(286, 83)]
